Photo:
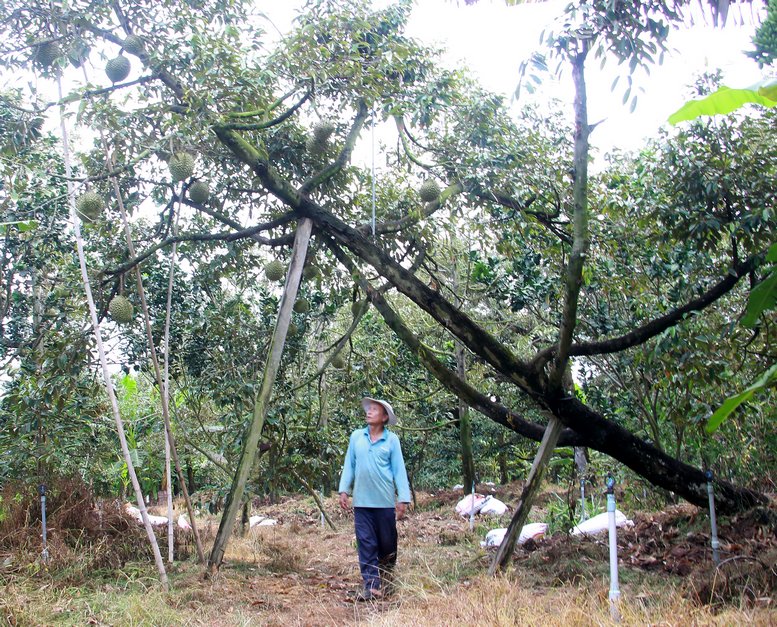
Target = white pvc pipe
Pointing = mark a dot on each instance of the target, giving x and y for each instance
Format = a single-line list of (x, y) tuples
[(472, 509), (713, 520), (615, 593), (45, 552)]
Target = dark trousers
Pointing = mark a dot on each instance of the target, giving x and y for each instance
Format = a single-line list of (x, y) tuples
[(376, 537)]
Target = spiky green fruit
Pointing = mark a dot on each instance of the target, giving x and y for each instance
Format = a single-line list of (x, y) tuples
[(301, 305), (429, 190), (323, 130), (89, 206), (47, 53), (120, 309), (293, 329), (337, 362), (199, 192), (357, 306), (117, 69), (311, 272), (316, 147), (133, 44), (274, 271), (181, 166)]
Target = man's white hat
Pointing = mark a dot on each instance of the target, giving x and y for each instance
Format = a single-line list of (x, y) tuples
[(392, 419)]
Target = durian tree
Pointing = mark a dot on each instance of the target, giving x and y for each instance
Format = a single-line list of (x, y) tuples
[(202, 85)]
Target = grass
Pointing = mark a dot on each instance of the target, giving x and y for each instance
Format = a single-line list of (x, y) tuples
[(299, 574)]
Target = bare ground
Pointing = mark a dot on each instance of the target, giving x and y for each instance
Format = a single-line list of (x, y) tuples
[(298, 573)]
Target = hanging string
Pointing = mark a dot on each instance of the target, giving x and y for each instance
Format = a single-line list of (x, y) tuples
[(373, 174)]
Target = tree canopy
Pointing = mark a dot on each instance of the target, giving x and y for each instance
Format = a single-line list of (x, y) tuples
[(632, 279)]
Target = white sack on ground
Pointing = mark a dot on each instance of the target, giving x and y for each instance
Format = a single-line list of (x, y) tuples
[(600, 523), (261, 521), (471, 504), (494, 507), (155, 521), (532, 531)]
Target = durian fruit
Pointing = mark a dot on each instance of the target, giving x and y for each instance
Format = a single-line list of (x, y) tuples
[(301, 305), (429, 190), (323, 130), (338, 362), (117, 69), (133, 44), (181, 166), (199, 192), (293, 330), (274, 271), (47, 53), (316, 147), (311, 272), (120, 309), (356, 307), (89, 206)]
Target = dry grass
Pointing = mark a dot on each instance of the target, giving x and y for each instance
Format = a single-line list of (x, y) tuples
[(507, 601), (300, 574)]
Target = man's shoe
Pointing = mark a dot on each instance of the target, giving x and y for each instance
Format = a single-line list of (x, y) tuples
[(369, 594)]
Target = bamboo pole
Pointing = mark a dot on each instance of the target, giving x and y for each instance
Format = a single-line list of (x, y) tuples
[(154, 358), (101, 349)]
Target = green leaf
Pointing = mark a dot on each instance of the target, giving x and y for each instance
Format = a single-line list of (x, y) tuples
[(771, 256), (129, 384), (762, 297), (731, 403), (725, 100)]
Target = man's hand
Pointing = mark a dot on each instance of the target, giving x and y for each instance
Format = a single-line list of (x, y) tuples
[(401, 510), (344, 500)]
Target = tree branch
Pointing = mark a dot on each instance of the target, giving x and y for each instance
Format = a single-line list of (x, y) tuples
[(256, 126), (659, 325)]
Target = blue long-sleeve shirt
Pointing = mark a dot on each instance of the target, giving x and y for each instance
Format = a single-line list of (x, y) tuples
[(374, 470)]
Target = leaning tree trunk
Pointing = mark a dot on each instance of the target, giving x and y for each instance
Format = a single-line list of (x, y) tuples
[(261, 404), (101, 351), (530, 490)]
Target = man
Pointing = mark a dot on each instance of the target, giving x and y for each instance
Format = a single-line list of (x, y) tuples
[(375, 470)]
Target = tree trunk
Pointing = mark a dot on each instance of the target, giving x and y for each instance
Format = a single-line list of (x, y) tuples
[(501, 458), (465, 426), (522, 509), (530, 378), (648, 461), (587, 428), (261, 404), (190, 481)]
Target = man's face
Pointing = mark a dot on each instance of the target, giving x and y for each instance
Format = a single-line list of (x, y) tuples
[(376, 414)]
